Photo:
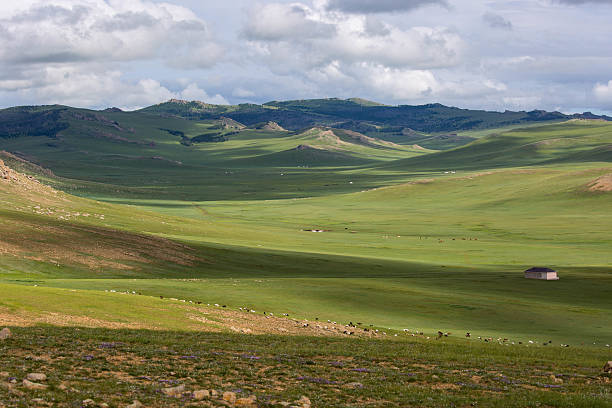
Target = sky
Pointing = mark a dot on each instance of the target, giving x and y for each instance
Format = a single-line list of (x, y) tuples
[(477, 54)]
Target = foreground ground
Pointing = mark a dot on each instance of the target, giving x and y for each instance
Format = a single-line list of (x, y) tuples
[(116, 367)]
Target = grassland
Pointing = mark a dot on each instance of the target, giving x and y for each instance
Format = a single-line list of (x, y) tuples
[(118, 366), (410, 239)]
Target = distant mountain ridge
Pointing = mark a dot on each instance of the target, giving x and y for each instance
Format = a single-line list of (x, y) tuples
[(360, 115)]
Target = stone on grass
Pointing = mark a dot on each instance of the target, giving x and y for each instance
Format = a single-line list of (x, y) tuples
[(229, 397), (88, 402), (304, 402), (608, 367), (36, 377), (5, 333), (135, 404), (556, 379), (247, 402), (33, 386), (201, 394), (353, 385), (174, 391)]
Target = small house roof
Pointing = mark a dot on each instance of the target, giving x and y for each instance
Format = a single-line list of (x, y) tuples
[(539, 269)]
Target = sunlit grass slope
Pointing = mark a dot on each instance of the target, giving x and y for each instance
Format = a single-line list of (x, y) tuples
[(570, 142), (442, 252)]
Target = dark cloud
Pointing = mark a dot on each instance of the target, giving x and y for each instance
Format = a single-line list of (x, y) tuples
[(577, 2), (496, 21), (39, 56), (280, 22), (126, 22), (375, 27), (58, 14), (380, 6)]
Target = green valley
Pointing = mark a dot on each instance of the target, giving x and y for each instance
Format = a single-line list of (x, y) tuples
[(364, 224)]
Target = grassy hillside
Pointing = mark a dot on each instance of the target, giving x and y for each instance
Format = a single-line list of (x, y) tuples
[(573, 142), (359, 115), (446, 251), (140, 155), (143, 223)]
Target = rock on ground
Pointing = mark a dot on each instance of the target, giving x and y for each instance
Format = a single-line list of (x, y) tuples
[(174, 391), (135, 404), (5, 333), (36, 377), (608, 367), (33, 386), (250, 402), (229, 397), (304, 402), (201, 394)]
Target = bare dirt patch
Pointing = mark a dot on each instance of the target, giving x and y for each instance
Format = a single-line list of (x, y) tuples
[(602, 184), (62, 320), (223, 320), (203, 318), (14, 182), (59, 242), (93, 247)]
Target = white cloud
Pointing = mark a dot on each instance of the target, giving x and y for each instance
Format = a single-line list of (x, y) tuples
[(95, 87), (380, 6), (603, 92), (402, 84), (62, 31), (242, 93), (278, 22), (131, 53), (74, 51), (313, 37), (194, 93)]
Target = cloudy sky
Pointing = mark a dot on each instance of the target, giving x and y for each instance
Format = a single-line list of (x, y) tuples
[(510, 54)]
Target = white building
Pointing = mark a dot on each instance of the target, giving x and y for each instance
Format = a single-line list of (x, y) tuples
[(541, 273)]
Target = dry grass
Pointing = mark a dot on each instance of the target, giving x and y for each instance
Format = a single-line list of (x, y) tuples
[(602, 184)]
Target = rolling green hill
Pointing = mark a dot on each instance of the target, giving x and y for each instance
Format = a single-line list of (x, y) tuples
[(154, 156), (137, 223), (358, 114), (571, 142)]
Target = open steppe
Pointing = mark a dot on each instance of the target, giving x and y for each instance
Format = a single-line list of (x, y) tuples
[(285, 256)]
